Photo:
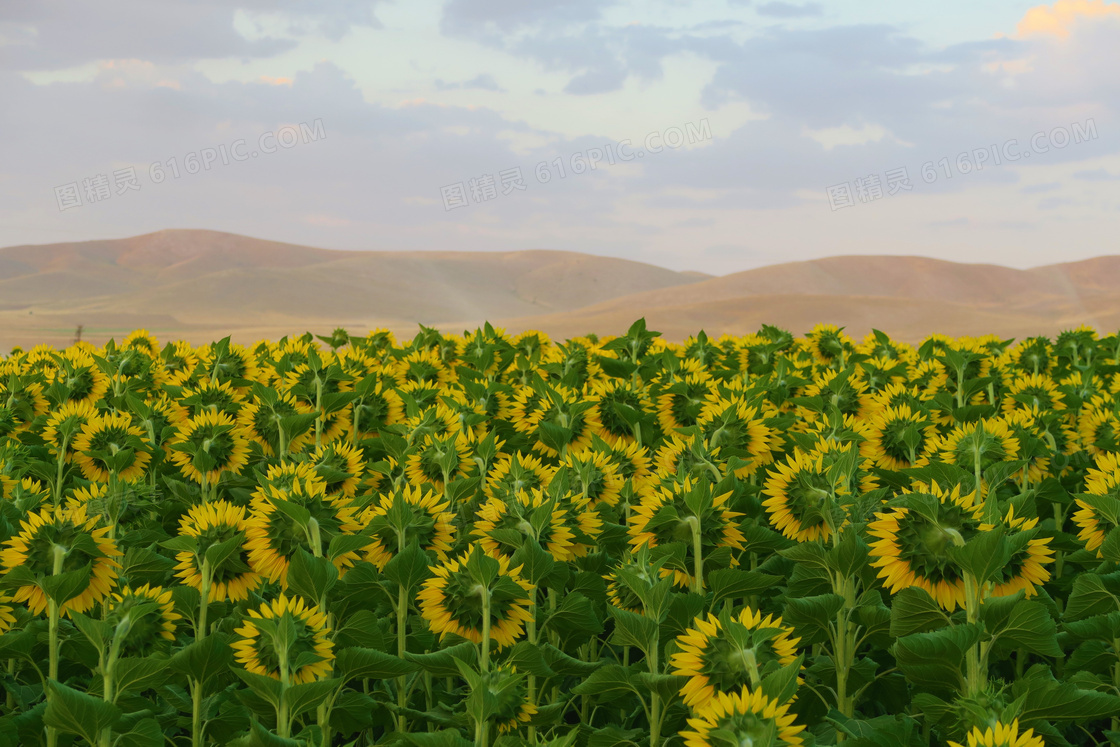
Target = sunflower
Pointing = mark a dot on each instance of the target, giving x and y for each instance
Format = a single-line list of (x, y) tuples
[(899, 438), (912, 546), (516, 472), (977, 446), (802, 497), (27, 492), (1024, 571), (1098, 427), (727, 654), (375, 409), (226, 362), (143, 341), (64, 424), (286, 637), (745, 718), (7, 613), (672, 513), (847, 394), (260, 422), (110, 443), (503, 525), (341, 466), (1098, 508), (212, 524), (424, 366), (93, 497), (24, 400), (592, 477), (272, 536), (84, 381), (631, 462), (737, 429), (438, 459), (912, 550), (284, 476), (829, 343), (408, 513), (72, 533), (1032, 392), (612, 398), (146, 630), (212, 396), (1001, 735), (452, 600), (511, 706), (558, 417), (208, 445), (179, 363)]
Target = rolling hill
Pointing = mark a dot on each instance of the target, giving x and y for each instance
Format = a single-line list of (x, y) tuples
[(200, 285)]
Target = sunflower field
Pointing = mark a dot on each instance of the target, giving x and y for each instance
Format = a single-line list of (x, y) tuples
[(495, 539)]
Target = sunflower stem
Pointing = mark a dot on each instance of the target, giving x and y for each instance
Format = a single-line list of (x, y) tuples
[(976, 677), (402, 619), (59, 555), (319, 411), (196, 713), (485, 660), (204, 599), (283, 727), (531, 680), (61, 463), (655, 701), (697, 555)]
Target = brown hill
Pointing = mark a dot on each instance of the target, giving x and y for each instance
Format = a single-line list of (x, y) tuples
[(200, 285)]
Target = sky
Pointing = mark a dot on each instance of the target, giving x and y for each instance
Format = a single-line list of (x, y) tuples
[(712, 135)]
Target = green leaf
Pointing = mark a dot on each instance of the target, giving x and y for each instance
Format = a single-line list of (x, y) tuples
[(934, 661), (220, 552), (138, 674), (443, 738), (632, 629), (442, 663), (264, 687), (365, 663), (1046, 699), (1022, 624), (985, 555), (409, 568), (307, 696), (1089, 597), (733, 583), (311, 577), (144, 733), (913, 610), (204, 660), (611, 681), (65, 586), (811, 616), (74, 712)]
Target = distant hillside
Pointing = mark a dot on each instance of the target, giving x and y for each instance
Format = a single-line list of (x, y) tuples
[(200, 285)]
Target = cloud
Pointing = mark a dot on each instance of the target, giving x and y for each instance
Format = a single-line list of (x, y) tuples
[(1096, 175), (790, 10), (69, 33), (1060, 18), (1034, 189), (483, 81)]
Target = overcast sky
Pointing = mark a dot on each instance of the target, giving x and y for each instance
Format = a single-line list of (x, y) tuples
[(971, 131)]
